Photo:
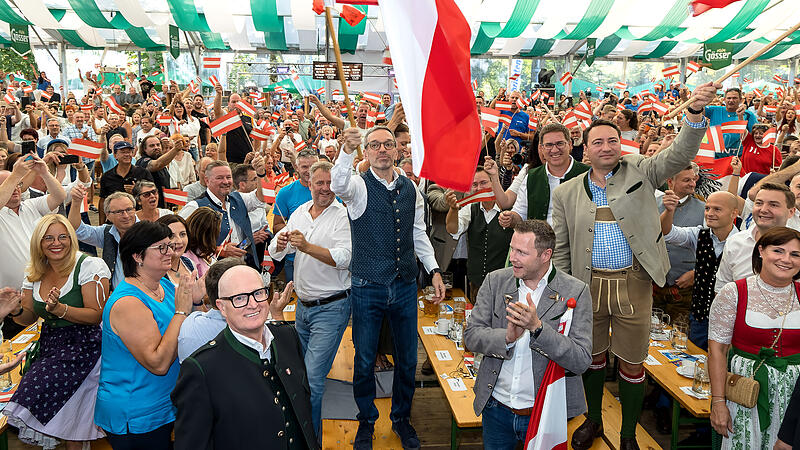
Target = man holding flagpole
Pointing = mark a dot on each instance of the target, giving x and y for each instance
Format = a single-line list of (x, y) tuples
[(515, 324)]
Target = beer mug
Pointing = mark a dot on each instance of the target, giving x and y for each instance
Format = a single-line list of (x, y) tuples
[(702, 382)]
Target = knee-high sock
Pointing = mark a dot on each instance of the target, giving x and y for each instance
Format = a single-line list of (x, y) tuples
[(631, 395), (593, 380)]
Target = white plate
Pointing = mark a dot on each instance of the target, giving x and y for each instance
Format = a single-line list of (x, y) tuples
[(686, 369)]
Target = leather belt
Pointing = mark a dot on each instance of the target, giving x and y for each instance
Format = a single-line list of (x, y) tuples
[(326, 300), (519, 412)]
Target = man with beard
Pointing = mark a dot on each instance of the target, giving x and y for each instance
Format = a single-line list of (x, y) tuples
[(153, 158)]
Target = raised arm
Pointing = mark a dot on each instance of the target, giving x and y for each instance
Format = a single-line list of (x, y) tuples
[(163, 161), (218, 101), (21, 168), (338, 122), (670, 201)]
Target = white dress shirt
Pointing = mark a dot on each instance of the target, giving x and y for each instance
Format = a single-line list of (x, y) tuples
[(686, 237), (737, 258), (514, 387), (521, 204), (353, 191), (465, 218), (251, 202), (313, 279), (263, 350)]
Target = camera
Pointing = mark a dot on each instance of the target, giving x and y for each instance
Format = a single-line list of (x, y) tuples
[(516, 159)]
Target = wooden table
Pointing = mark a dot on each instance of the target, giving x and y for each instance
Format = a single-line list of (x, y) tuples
[(15, 374), (668, 378), (460, 402)]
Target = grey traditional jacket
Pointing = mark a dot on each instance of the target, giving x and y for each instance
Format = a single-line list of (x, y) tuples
[(630, 192), (486, 333)]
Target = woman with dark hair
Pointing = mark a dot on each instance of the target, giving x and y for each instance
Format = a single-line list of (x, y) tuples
[(185, 124), (146, 195), (181, 264), (141, 321), (203, 227), (628, 123), (758, 318)]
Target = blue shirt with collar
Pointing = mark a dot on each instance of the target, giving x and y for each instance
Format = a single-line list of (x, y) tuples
[(717, 115)]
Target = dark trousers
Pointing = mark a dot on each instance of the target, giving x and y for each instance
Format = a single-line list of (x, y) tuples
[(158, 439), (698, 332), (371, 302)]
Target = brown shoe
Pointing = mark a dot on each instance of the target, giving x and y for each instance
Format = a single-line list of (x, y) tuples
[(628, 444), (584, 436)]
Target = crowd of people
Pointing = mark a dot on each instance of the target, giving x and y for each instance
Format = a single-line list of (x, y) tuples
[(162, 315)]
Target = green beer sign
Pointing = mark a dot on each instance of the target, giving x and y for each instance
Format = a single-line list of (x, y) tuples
[(174, 42), (718, 55), (591, 46), (20, 42)]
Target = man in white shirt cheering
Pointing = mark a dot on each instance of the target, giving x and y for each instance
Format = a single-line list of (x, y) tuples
[(319, 234)]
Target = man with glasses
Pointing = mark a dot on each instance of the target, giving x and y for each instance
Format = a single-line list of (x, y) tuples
[(535, 194), (120, 209), (388, 230), (318, 233), (291, 197), (123, 176), (608, 234), (246, 388)]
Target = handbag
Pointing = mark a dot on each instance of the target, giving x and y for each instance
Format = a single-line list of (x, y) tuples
[(744, 390)]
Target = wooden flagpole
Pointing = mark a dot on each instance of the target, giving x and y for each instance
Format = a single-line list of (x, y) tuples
[(738, 67), (340, 71)]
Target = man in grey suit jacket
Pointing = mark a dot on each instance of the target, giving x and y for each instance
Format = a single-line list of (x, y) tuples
[(608, 235), (520, 337)]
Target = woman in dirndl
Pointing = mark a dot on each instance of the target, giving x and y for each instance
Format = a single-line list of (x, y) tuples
[(56, 396), (758, 319)]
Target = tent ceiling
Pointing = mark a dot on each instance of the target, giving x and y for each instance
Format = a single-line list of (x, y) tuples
[(661, 29)]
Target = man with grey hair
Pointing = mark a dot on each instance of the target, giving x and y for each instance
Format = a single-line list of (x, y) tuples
[(53, 132), (318, 233), (383, 271), (120, 209)]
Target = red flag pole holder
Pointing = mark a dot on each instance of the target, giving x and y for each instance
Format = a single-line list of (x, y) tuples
[(739, 66)]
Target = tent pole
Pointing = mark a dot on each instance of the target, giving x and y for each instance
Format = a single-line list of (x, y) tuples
[(624, 69), (62, 50), (139, 57)]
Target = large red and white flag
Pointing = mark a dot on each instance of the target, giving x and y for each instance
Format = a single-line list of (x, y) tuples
[(629, 147), (735, 127), (671, 71), (225, 123), (583, 111), (176, 197), (246, 108), (713, 140), (86, 148), (113, 105), (547, 429), (490, 119), (212, 62), (430, 40), (711, 154), (483, 195), (570, 121)]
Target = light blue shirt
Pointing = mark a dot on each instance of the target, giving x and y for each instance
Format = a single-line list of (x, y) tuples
[(717, 115), (197, 329), (288, 200), (610, 249), (686, 237), (93, 235)]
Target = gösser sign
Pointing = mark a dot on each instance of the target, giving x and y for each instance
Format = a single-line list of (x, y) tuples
[(718, 55)]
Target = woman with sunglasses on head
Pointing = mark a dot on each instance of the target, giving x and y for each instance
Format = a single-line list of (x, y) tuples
[(56, 397), (141, 322), (146, 194)]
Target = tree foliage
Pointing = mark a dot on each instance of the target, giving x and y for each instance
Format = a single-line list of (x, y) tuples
[(11, 62)]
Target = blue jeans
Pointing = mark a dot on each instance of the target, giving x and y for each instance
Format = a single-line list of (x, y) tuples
[(288, 269), (371, 301), (502, 429), (698, 332), (194, 152), (320, 329)]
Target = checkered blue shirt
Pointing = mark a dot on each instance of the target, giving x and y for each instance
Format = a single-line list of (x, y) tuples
[(610, 249)]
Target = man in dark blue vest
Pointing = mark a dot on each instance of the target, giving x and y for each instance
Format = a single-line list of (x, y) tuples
[(235, 234), (388, 229)]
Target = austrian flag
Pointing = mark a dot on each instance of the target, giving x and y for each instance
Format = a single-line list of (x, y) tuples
[(373, 98), (629, 147), (86, 148), (483, 195), (671, 71), (211, 62), (225, 123), (176, 197), (566, 78)]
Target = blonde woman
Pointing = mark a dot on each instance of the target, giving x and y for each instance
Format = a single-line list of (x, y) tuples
[(55, 399)]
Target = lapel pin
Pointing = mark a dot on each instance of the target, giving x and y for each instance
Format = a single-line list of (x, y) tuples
[(288, 371)]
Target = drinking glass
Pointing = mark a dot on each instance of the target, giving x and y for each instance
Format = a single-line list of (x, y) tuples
[(680, 332), (655, 320), (702, 382), (429, 307)]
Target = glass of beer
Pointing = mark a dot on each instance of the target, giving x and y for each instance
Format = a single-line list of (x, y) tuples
[(680, 331), (429, 308), (459, 310)]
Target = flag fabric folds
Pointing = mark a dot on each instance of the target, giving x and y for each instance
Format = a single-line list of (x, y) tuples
[(225, 123), (85, 148)]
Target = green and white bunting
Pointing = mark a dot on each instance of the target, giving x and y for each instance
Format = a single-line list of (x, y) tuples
[(174, 42), (20, 42)]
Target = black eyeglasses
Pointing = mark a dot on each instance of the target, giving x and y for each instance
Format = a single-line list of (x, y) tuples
[(241, 300), (164, 249)]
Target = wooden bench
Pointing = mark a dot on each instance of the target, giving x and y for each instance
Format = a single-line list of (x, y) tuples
[(612, 421)]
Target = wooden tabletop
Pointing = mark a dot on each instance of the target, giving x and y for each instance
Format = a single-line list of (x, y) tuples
[(667, 376), (460, 401), (29, 334)]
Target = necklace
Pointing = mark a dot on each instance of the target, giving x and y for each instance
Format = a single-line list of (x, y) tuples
[(789, 300), (155, 293)]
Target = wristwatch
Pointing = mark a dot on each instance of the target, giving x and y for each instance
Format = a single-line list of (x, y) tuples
[(695, 111), (535, 333), (436, 270)]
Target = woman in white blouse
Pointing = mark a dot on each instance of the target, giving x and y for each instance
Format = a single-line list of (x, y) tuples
[(183, 123), (758, 318)]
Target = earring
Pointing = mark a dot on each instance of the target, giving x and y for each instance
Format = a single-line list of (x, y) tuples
[(140, 264)]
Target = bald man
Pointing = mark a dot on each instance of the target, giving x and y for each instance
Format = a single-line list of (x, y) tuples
[(707, 242)]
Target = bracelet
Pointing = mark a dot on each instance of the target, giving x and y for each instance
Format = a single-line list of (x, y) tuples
[(65, 312), (181, 313), (736, 174), (722, 400)]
